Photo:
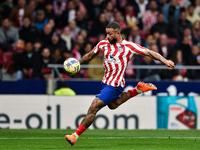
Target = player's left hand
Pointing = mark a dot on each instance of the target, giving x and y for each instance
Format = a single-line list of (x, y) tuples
[(170, 63)]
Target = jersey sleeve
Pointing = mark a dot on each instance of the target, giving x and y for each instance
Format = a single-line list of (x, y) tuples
[(97, 48), (136, 48)]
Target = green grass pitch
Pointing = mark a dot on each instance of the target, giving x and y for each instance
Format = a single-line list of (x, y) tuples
[(37, 139)]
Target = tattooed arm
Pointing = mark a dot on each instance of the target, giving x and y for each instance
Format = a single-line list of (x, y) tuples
[(87, 57), (157, 56)]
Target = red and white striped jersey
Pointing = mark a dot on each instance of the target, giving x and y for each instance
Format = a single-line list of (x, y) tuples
[(116, 58)]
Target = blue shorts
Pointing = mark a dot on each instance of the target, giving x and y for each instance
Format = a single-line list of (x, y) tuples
[(109, 93)]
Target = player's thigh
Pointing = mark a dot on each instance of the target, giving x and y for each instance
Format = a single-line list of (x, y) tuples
[(113, 104), (118, 101)]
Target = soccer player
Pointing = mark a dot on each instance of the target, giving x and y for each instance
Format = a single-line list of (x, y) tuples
[(117, 52)]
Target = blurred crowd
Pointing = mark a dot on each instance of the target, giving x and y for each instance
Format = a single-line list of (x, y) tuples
[(35, 33)]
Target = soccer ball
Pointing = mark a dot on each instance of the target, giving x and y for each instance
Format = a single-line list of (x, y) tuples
[(71, 66)]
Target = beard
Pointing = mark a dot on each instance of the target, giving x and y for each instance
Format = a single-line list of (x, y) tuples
[(113, 41)]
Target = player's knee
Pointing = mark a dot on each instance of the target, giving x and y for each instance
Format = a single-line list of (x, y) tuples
[(112, 107), (96, 105)]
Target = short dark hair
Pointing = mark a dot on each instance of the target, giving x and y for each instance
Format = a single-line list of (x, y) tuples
[(62, 84), (5, 18), (191, 6), (114, 25), (26, 17)]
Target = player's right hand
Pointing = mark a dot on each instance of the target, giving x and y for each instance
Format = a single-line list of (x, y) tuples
[(170, 63)]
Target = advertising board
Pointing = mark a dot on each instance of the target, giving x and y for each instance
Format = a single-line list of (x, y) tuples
[(61, 112)]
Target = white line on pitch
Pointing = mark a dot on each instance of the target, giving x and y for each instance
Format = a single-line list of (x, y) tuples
[(53, 138)]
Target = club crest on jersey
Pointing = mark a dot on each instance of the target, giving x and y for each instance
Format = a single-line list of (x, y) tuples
[(120, 49)]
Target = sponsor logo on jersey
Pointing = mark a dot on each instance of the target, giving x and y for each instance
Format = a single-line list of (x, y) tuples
[(111, 59), (111, 56), (105, 48)]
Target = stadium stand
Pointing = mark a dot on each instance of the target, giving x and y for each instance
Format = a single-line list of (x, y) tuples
[(88, 20), (8, 62)]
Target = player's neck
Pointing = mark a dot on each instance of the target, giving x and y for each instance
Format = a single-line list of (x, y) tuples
[(119, 39)]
